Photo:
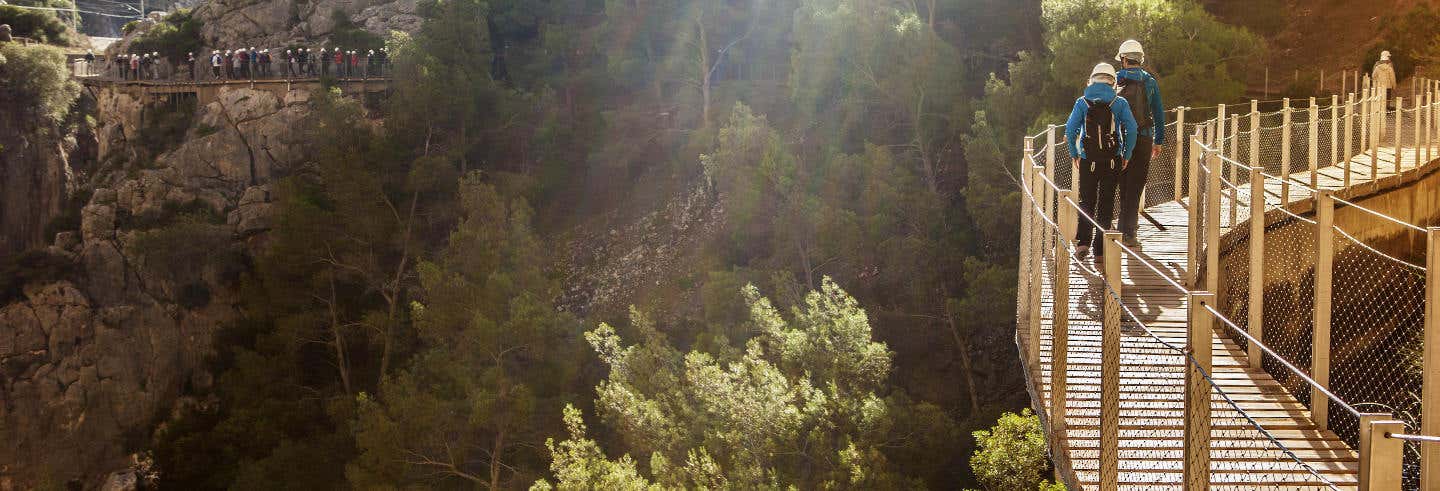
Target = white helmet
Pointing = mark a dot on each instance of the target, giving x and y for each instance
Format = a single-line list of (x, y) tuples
[(1103, 70), (1131, 49), (1385, 55)]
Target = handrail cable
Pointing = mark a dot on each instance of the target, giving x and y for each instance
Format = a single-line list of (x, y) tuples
[(1272, 353)]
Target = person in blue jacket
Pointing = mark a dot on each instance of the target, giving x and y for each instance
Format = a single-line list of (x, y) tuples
[(1142, 91), (1101, 135)]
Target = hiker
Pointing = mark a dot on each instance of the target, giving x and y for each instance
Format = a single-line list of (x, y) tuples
[(266, 61), (1101, 136), (215, 64), (370, 60), (1382, 76), (124, 64), (145, 64), (339, 61), (190, 64), (89, 62), (1142, 92), (354, 66), (324, 62), (380, 63)]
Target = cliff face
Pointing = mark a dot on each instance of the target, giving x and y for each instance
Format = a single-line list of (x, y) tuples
[(89, 363)]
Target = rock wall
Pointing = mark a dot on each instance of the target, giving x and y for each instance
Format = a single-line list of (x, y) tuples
[(89, 364), (35, 177)]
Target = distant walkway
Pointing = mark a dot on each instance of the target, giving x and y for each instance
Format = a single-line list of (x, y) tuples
[(1145, 336)]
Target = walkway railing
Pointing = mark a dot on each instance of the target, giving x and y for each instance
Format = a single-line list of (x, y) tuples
[(164, 71), (1262, 210)]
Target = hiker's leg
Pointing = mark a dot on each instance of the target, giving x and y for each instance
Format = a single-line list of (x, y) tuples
[(1132, 184), (1105, 184), (1084, 230)]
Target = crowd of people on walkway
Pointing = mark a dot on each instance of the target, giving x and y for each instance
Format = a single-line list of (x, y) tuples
[(251, 64)]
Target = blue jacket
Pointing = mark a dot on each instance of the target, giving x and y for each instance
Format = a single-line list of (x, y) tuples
[(1157, 106), (1103, 93)]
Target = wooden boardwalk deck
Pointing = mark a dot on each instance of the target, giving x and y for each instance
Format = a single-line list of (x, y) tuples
[(1153, 375)]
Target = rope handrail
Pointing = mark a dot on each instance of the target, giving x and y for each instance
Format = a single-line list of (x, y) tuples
[(1410, 437)]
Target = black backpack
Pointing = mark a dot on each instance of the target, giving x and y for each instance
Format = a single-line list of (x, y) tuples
[(1098, 137), (1135, 92)]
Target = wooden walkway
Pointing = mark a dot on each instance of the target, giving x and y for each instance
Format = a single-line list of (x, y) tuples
[(1152, 381)]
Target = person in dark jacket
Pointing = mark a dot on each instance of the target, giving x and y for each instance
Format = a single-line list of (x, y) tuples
[(1142, 91), (1099, 167)]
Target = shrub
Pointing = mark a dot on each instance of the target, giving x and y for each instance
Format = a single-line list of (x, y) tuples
[(1011, 455), (173, 37), (348, 36), (166, 128), (40, 25)]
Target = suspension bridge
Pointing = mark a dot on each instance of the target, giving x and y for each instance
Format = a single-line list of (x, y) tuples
[(1275, 334)]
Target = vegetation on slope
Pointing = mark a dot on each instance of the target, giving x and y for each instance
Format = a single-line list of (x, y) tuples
[(402, 331)]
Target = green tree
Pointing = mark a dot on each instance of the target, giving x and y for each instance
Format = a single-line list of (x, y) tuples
[(474, 407), (1011, 455), (807, 404)]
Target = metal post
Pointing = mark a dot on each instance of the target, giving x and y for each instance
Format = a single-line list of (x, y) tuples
[(1430, 377), (1110, 368), (1050, 171), (1212, 224), (1399, 132), (1381, 456), (1314, 145), (1192, 244), (1285, 135), (1022, 290), (1256, 324), (1200, 341), (1037, 266), (1235, 156), (1254, 135), (1179, 152), (1334, 137), (1324, 274), (1349, 130), (1060, 329)]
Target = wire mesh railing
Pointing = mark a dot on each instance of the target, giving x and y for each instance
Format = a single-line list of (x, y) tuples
[(1372, 283)]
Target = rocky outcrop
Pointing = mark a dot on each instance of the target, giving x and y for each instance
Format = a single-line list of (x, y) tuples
[(271, 23), (89, 364)]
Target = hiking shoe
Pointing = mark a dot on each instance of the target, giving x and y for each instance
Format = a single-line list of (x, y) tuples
[(1081, 252), (1131, 242)]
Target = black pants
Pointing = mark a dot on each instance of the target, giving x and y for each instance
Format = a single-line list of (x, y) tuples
[(1097, 199), (1132, 184)]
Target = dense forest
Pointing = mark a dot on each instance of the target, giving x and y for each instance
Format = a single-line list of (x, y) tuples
[(847, 321)]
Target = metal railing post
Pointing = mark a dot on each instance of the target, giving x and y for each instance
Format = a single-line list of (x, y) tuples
[(1349, 139), (1050, 172), (1022, 307), (1314, 147), (1234, 156), (1060, 329), (1285, 136), (1256, 324), (1334, 137), (1037, 266), (1179, 152), (1192, 244), (1430, 377), (1381, 456), (1200, 339), (1324, 275), (1218, 136), (1110, 367), (1212, 224), (1254, 132), (1399, 132), (1417, 123)]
